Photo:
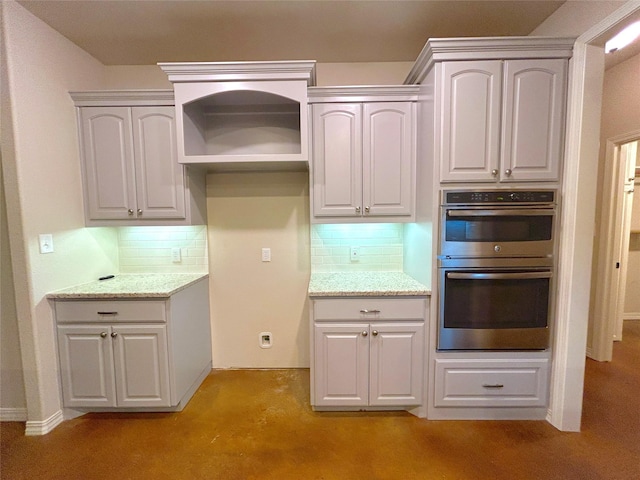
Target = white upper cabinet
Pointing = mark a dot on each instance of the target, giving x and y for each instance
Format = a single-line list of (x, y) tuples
[(242, 115), (337, 159), (533, 121), (494, 109), (364, 161), (159, 176), (388, 158), (471, 104), (130, 166), (502, 120)]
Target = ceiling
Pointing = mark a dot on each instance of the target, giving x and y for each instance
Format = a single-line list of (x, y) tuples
[(127, 32), (145, 32)]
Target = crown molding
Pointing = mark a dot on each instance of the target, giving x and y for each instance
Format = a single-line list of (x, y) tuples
[(240, 71), (486, 48), (124, 98), (380, 93)]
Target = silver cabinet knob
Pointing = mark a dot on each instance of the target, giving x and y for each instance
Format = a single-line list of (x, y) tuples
[(130, 211), (139, 211), (508, 172), (103, 334), (374, 333), (494, 172), (114, 334), (357, 209), (366, 209), (365, 333)]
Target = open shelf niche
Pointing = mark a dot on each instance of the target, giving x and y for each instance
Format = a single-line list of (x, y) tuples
[(242, 115)]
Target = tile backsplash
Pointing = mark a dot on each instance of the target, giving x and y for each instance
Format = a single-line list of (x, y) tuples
[(149, 249), (380, 247)]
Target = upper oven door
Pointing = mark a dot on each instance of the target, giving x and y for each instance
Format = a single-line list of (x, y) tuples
[(514, 231)]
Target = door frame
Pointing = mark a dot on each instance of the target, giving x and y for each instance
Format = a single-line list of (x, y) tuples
[(578, 221), (608, 288)]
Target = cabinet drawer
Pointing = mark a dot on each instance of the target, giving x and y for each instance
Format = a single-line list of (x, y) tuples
[(369, 309), (110, 311), (491, 383)]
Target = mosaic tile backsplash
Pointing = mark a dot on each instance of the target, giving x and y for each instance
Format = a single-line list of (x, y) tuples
[(380, 247), (149, 249)]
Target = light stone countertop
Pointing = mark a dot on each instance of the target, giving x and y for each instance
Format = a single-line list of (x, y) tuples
[(143, 285), (365, 284)]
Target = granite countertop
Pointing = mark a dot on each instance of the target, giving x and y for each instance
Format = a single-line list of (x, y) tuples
[(370, 284), (142, 285)]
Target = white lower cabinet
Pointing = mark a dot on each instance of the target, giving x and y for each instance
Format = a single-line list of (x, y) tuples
[(134, 354), (505, 382), (114, 365), (361, 362)]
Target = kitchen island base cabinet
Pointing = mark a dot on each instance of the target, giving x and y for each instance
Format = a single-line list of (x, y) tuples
[(134, 354), (368, 354)]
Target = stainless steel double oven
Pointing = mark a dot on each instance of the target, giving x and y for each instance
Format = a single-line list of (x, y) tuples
[(496, 269)]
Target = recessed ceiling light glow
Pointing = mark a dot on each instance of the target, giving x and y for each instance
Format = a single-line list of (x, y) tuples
[(624, 38)]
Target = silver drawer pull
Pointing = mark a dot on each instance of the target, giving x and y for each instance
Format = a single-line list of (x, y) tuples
[(107, 313), (365, 311), (494, 385)]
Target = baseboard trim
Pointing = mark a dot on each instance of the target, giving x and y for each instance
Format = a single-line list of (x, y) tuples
[(631, 316), (45, 426), (13, 414)]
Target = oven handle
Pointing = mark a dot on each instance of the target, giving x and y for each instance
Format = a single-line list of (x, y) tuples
[(501, 213), (498, 276)]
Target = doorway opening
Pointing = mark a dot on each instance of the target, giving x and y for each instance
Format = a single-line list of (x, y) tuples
[(616, 266)]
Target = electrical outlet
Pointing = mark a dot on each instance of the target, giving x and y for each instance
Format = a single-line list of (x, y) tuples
[(176, 255), (266, 254), (265, 339), (46, 243), (355, 254)]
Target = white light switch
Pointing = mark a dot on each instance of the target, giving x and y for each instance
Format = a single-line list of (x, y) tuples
[(266, 254), (46, 243)]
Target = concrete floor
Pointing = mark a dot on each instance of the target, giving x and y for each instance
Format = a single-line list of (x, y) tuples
[(252, 424)]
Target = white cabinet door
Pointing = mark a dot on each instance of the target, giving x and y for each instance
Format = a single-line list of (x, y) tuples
[(160, 188), (337, 159), (388, 158), (470, 128), (141, 365), (86, 365), (107, 147), (533, 119), (341, 364), (397, 363)]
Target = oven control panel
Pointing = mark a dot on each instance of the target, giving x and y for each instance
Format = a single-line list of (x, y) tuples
[(483, 197)]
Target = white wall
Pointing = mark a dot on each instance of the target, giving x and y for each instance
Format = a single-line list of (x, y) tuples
[(13, 404), (43, 191), (621, 115), (246, 212), (388, 73), (327, 74), (573, 18)]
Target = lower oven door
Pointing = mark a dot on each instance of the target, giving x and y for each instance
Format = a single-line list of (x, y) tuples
[(494, 308)]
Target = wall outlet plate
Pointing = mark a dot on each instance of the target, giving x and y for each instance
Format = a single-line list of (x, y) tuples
[(355, 254), (46, 243), (265, 339)]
